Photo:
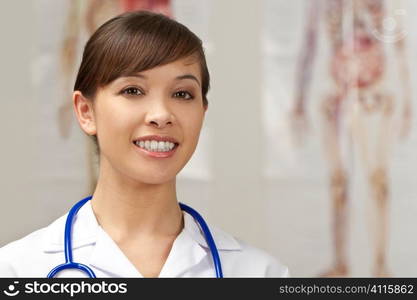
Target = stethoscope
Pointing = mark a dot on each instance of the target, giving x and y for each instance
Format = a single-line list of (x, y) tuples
[(69, 264)]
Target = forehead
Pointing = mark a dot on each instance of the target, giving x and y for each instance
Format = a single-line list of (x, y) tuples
[(184, 68), (187, 64)]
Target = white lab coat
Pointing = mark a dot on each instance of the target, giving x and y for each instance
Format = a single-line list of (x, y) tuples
[(37, 253)]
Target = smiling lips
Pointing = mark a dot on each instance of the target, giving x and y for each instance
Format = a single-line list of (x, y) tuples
[(157, 146)]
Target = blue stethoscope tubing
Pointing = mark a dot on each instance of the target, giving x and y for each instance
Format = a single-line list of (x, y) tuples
[(70, 264)]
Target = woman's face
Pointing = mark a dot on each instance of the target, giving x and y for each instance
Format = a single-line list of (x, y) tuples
[(148, 124)]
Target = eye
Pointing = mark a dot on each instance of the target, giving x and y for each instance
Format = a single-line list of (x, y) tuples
[(184, 94), (132, 91)]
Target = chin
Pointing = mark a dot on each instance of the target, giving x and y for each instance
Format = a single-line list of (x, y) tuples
[(156, 178)]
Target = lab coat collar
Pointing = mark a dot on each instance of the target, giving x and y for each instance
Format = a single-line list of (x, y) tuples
[(184, 254), (222, 240), (84, 230), (188, 249)]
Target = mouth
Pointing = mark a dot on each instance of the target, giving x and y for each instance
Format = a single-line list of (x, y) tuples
[(156, 146)]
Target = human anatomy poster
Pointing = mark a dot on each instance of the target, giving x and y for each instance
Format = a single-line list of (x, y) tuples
[(337, 118)]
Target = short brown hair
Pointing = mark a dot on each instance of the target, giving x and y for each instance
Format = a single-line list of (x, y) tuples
[(133, 42)]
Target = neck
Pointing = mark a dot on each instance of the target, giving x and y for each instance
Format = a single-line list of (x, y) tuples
[(125, 208)]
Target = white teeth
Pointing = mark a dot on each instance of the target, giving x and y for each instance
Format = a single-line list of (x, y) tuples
[(155, 146)]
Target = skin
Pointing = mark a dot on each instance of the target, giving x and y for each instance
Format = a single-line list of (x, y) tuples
[(135, 198)]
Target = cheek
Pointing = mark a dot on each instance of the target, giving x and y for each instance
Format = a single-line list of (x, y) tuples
[(192, 127), (113, 124)]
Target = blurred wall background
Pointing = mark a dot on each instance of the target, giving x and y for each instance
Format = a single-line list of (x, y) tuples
[(246, 176)]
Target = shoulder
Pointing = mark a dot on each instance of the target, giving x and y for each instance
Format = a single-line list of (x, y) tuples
[(24, 251), (270, 265), (16, 247), (256, 262), (241, 259), (15, 252), (34, 240), (238, 258)]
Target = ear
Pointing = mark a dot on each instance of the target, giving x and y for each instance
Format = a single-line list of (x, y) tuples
[(84, 112)]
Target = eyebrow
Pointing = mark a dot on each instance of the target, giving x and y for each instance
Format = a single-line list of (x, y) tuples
[(182, 77)]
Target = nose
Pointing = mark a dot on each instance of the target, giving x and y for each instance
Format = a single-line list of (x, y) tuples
[(159, 116)]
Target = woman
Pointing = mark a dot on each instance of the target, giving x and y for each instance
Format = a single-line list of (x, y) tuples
[(141, 94)]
